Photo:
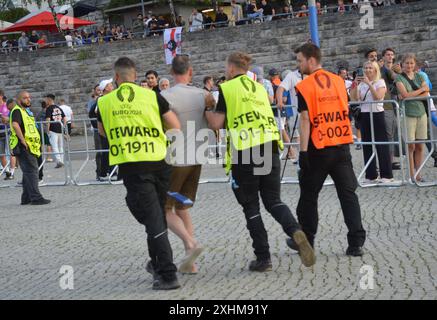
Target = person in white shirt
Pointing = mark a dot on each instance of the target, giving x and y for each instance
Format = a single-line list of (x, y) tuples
[(69, 39), (196, 21), (68, 114), (289, 83), (372, 88)]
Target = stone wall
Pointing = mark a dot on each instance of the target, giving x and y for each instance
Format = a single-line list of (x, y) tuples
[(72, 73)]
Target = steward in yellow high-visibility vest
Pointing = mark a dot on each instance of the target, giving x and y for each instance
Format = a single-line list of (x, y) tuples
[(253, 156), (25, 144), (325, 136), (130, 117)]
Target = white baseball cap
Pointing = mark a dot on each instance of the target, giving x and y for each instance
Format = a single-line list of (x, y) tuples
[(104, 83)]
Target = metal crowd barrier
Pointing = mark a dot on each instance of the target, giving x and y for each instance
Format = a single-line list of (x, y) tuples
[(432, 140), (373, 143), (293, 179), (76, 176), (8, 158), (221, 148), (64, 154)]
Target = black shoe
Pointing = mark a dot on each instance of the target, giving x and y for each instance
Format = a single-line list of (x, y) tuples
[(9, 176), (150, 269), (306, 251), (161, 284), (292, 245), (261, 265), (354, 251), (40, 202), (396, 166), (435, 163), (25, 203)]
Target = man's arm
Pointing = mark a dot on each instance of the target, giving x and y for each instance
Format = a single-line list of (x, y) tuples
[(216, 120), (171, 121), (19, 134), (305, 128), (279, 95), (101, 129)]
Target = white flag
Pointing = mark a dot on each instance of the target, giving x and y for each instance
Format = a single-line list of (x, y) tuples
[(172, 43)]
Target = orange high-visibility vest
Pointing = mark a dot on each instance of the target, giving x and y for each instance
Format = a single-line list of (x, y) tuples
[(326, 97)]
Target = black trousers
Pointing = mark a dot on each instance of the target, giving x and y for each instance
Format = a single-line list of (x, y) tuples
[(383, 151), (336, 162), (146, 195), (247, 187), (98, 146), (104, 164), (29, 165)]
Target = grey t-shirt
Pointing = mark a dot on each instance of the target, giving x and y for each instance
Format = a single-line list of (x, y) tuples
[(188, 102)]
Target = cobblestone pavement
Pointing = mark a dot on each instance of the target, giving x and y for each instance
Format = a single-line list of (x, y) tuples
[(90, 229)]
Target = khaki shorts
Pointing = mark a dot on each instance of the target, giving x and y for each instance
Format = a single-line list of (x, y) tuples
[(185, 181), (417, 128)]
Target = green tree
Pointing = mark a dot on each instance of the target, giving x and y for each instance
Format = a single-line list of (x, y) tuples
[(13, 15)]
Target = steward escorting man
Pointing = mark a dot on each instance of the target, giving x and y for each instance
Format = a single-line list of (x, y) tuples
[(253, 156), (130, 117), (326, 133)]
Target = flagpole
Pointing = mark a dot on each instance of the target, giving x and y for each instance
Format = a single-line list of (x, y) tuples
[(313, 22)]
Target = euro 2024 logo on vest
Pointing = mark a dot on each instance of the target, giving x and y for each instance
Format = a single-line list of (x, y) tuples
[(126, 94)]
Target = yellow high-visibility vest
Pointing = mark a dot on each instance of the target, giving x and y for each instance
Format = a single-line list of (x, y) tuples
[(31, 134), (133, 126), (249, 117)]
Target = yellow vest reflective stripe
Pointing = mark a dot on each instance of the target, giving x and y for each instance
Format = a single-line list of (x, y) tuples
[(249, 117), (31, 134), (133, 125)]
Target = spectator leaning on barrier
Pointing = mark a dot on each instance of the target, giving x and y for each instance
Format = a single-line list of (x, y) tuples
[(268, 10), (372, 88), (237, 14), (25, 144), (221, 19), (195, 20), (33, 40), (23, 42), (138, 26), (411, 84), (253, 12), (56, 121)]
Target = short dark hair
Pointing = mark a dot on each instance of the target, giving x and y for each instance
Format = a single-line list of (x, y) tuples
[(206, 79), (341, 69), (310, 50), (10, 101), (124, 63), (369, 51), (95, 87), (180, 65), (152, 72), (143, 81), (386, 50), (51, 96)]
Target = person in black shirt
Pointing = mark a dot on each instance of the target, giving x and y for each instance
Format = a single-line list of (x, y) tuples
[(221, 19), (56, 122), (268, 11), (28, 161), (152, 80)]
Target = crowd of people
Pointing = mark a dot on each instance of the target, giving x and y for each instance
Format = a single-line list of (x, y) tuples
[(154, 25)]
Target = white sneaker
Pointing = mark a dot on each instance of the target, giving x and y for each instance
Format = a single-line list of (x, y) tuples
[(386, 180), (41, 183), (368, 181)]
